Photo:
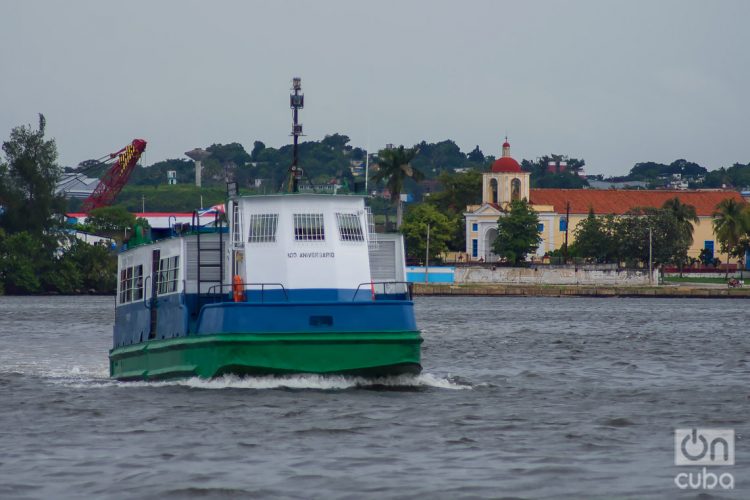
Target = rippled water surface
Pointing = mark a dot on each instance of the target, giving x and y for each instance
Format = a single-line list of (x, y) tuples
[(520, 397)]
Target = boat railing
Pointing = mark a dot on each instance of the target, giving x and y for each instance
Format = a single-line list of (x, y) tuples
[(247, 292), (385, 290)]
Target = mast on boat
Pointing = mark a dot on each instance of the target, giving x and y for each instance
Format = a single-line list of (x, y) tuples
[(296, 102)]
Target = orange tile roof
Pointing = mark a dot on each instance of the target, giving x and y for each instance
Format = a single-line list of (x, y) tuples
[(619, 201)]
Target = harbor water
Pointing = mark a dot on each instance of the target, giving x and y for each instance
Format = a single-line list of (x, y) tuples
[(519, 398)]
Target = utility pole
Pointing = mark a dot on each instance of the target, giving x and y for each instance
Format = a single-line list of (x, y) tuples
[(650, 256), (367, 165), (143, 203), (567, 223), (296, 102), (427, 257)]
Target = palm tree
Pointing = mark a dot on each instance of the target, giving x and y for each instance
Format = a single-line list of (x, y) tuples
[(731, 225), (684, 216), (394, 167)]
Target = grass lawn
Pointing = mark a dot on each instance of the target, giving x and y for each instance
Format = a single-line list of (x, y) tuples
[(691, 279)]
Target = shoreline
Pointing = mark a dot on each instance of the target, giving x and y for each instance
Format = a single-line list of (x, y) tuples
[(604, 291), (533, 290)]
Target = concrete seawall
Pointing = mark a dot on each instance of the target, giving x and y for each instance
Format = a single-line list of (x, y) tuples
[(421, 289), (547, 275)]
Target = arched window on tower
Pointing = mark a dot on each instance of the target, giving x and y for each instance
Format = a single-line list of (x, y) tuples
[(493, 190), (515, 190)]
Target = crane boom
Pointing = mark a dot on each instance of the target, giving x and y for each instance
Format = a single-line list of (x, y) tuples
[(116, 177)]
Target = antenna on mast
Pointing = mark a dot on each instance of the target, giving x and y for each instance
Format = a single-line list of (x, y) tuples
[(296, 102)]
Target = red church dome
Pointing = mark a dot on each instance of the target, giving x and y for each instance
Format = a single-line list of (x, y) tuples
[(506, 163)]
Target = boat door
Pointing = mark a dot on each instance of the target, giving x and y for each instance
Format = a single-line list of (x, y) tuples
[(155, 259), (238, 263)]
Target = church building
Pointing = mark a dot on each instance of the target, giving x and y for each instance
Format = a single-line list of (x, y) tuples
[(506, 181)]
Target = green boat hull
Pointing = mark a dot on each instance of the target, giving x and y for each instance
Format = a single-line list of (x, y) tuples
[(208, 356)]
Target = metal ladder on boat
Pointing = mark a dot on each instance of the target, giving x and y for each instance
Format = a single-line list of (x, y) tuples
[(210, 260)]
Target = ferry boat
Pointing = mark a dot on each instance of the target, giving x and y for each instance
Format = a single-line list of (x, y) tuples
[(284, 286)]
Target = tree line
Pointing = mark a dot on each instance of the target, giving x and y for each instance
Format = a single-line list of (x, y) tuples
[(38, 253), (263, 168)]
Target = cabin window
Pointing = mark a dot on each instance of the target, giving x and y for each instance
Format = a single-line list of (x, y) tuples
[(309, 227), (125, 285), (131, 284), (262, 228), (169, 268), (137, 282), (350, 228)]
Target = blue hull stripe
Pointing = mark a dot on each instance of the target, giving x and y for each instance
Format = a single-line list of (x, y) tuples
[(306, 310)]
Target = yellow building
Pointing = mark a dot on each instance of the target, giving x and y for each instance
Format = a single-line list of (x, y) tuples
[(506, 182)]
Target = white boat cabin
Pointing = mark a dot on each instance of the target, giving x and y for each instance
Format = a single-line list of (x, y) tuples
[(283, 242)]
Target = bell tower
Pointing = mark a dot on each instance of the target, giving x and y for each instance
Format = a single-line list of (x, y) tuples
[(505, 182)]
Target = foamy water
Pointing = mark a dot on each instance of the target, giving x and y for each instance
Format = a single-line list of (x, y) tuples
[(79, 380)]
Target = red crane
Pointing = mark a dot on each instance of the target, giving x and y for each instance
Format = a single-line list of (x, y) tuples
[(116, 177)]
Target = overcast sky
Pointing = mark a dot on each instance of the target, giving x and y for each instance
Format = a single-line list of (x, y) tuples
[(614, 83)]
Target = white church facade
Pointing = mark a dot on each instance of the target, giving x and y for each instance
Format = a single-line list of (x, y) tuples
[(505, 182)]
